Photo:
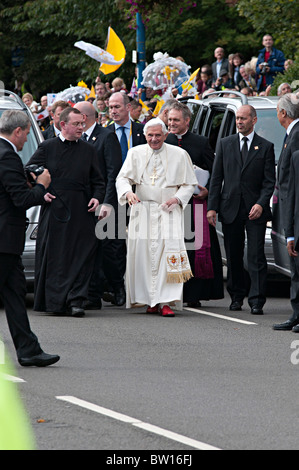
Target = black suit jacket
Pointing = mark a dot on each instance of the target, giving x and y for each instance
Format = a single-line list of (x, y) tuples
[(49, 133), (230, 180), (109, 153), (283, 172), (15, 198), (224, 66), (292, 203), (138, 137)]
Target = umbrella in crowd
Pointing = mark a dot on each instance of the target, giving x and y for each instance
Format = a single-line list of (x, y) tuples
[(165, 72)]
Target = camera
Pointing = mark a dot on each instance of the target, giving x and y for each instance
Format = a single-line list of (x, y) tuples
[(36, 170), (263, 67)]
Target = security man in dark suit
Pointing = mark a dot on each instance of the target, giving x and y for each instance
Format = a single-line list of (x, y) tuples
[(129, 134), (15, 197), (288, 116), (241, 187), (107, 264)]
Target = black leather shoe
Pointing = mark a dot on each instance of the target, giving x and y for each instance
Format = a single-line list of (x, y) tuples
[(255, 310), (120, 297), (88, 305), (76, 311), (235, 306), (286, 326), (295, 329), (40, 360), (108, 297)]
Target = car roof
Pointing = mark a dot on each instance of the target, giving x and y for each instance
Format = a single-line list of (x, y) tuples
[(10, 100), (258, 102)]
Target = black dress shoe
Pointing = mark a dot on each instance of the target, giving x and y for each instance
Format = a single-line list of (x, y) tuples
[(286, 326), (76, 311), (255, 310), (120, 297), (88, 305), (40, 360), (235, 306), (108, 297), (295, 329)]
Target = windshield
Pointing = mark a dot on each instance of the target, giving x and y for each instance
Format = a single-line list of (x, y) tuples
[(29, 147), (268, 126)]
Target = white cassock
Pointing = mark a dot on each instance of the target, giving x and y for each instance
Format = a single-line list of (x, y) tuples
[(157, 261)]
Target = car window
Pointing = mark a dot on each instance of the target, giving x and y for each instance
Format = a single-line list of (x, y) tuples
[(213, 125), (29, 147), (269, 127), (194, 108)]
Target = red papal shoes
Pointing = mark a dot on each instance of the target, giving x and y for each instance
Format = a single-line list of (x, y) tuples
[(154, 309), (166, 311)]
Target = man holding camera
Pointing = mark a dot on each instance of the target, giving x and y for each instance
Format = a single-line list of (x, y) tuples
[(15, 197), (270, 62)]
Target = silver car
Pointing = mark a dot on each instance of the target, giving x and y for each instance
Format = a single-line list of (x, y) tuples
[(9, 100), (215, 118)]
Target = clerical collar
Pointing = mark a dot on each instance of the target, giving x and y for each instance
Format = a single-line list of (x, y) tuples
[(156, 151), (179, 136), (63, 139)]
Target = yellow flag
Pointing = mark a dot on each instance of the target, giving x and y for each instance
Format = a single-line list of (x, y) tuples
[(116, 48), (144, 107), (158, 107), (186, 84), (92, 93)]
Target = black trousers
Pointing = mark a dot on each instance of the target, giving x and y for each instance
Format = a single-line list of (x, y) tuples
[(13, 295), (234, 240), (294, 291)]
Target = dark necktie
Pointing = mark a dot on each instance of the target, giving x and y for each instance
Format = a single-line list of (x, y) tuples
[(124, 143), (244, 151), (84, 136)]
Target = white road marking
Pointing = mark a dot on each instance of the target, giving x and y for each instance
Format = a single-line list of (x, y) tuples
[(11, 378), (137, 423), (223, 317)]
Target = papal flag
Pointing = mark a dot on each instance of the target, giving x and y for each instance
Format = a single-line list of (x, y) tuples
[(116, 48)]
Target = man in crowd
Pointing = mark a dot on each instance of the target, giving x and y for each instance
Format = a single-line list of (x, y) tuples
[(270, 62), (157, 263), (15, 198), (54, 129), (220, 64), (241, 187), (109, 156), (288, 116), (66, 241)]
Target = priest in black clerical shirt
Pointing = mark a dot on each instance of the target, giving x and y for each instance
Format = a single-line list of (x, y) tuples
[(206, 262), (66, 241)]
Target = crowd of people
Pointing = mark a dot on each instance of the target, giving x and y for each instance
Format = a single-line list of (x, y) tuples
[(115, 161)]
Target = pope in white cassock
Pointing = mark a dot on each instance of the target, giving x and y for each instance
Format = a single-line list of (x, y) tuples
[(157, 261)]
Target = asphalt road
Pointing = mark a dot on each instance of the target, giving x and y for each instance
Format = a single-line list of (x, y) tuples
[(130, 381)]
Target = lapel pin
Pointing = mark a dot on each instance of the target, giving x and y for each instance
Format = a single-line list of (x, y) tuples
[(256, 147), (94, 138), (285, 146), (138, 135)]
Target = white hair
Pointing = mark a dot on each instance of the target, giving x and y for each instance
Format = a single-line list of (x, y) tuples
[(155, 122)]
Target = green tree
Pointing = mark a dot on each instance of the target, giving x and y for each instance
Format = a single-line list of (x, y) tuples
[(48, 29), (279, 18)]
